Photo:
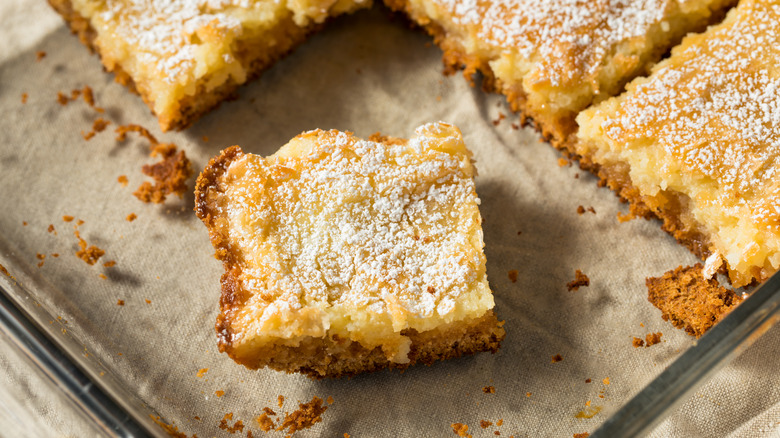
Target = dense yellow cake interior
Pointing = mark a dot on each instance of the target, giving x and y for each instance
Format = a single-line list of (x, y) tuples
[(706, 124), (174, 49), (354, 239), (553, 58)]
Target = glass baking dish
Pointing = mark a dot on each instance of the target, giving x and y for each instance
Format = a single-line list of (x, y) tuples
[(152, 360)]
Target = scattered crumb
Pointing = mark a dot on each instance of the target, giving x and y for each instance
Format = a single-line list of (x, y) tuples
[(238, 426), (39, 55), (501, 117), (653, 338), (122, 179), (580, 280), (54, 254), (461, 430), (500, 422), (638, 342), (641, 324), (512, 274), (201, 372), (557, 358), (265, 422), (587, 403), (527, 394), (689, 301), (485, 424), (625, 217), (582, 210), (489, 390), (90, 254), (306, 416), (330, 400), (51, 229), (24, 98), (588, 380), (123, 130), (588, 412), (24, 223), (62, 99), (103, 276), (280, 401), (170, 176), (148, 301), (563, 162), (346, 435), (519, 233), (219, 393), (99, 125), (606, 380), (109, 263), (515, 126), (592, 210), (79, 222), (40, 257), (131, 217), (67, 218), (120, 302), (173, 431), (89, 99), (581, 435), (205, 138), (576, 176)]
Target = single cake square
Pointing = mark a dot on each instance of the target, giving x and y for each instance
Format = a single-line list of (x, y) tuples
[(554, 58), (698, 143), (185, 56), (344, 255)]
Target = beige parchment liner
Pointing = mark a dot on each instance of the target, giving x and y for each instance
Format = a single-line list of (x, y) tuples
[(364, 73)]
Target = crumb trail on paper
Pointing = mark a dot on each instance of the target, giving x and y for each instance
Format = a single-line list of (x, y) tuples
[(689, 301), (580, 280)]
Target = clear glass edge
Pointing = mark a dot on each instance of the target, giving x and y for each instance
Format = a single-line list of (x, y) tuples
[(715, 349), (113, 409)]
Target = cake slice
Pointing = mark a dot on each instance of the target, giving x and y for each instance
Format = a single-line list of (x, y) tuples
[(185, 56), (344, 255), (554, 58), (698, 143)]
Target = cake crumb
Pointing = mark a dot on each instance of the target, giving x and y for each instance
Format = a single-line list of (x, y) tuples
[(280, 401), (201, 372), (54, 254), (582, 210), (39, 55), (148, 301), (265, 422), (219, 393), (581, 435), (563, 162), (131, 217), (238, 426), (306, 416), (489, 390), (99, 125), (89, 99), (90, 254), (170, 176), (120, 302), (689, 301), (461, 430), (557, 358), (51, 229), (528, 394), (172, 431), (205, 139), (123, 130), (588, 380), (40, 257), (606, 380), (653, 338), (485, 424), (122, 179), (24, 223), (512, 274), (110, 263), (638, 342), (62, 99), (580, 280), (500, 422), (24, 98), (330, 400), (67, 218)]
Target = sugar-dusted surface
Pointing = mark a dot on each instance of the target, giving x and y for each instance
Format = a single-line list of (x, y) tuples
[(707, 124), (361, 239), (365, 73)]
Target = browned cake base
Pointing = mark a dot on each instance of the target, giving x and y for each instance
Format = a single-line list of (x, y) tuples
[(334, 357), (689, 301), (255, 57)]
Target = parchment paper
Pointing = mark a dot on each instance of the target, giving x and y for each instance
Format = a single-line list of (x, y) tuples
[(364, 73)]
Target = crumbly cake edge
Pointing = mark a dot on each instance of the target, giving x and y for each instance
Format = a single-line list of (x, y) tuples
[(191, 107), (329, 356), (562, 134)]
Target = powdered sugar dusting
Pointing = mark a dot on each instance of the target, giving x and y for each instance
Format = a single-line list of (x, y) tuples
[(716, 112), (381, 225), (571, 38)]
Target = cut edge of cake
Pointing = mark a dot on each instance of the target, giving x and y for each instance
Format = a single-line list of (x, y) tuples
[(331, 355)]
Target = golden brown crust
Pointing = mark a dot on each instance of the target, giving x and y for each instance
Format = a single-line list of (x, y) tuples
[(689, 301), (254, 61), (331, 355)]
